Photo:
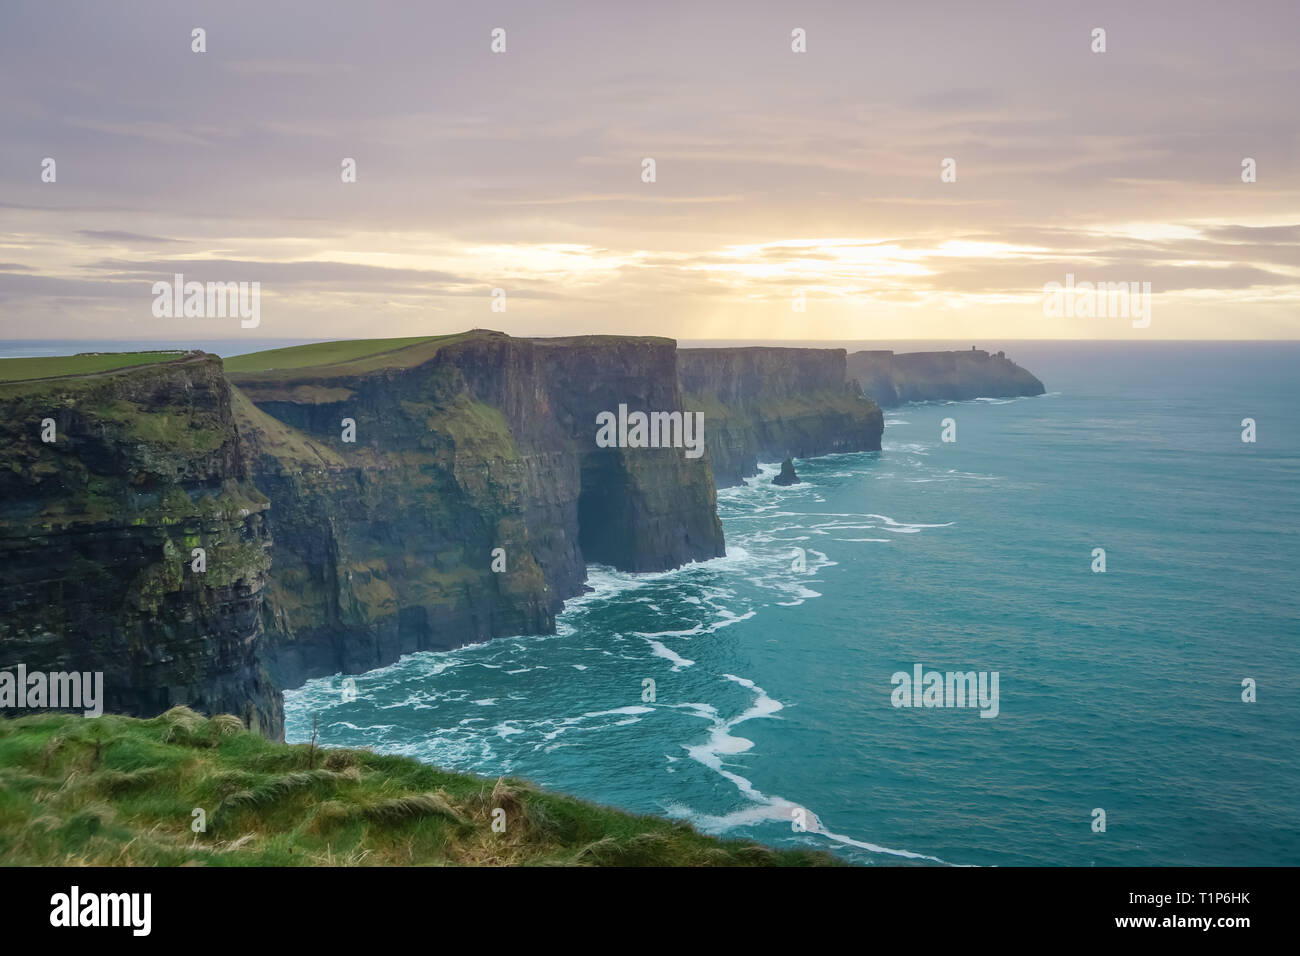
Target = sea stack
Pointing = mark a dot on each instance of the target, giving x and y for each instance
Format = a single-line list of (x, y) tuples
[(787, 476)]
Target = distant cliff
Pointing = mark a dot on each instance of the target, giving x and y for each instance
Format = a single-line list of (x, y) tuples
[(97, 532), (893, 379), (768, 404)]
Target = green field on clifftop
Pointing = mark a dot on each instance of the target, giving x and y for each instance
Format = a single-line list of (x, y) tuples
[(116, 791), (89, 363), (347, 357)]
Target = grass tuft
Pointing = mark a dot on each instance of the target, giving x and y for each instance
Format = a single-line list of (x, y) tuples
[(116, 791), (409, 807), (226, 724)]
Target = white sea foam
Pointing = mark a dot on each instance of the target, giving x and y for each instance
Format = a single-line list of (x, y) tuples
[(619, 711), (659, 650), (764, 809), (687, 604)]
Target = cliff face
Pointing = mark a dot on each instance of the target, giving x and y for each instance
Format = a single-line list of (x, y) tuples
[(773, 403), (97, 530), (480, 442), (641, 509), (466, 505), (892, 379)]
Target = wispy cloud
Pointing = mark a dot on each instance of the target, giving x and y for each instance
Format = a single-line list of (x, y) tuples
[(776, 172)]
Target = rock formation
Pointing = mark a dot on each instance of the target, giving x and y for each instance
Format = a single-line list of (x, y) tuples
[(893, 379), (766, 404), (464, 445), (355, 501), (787, 476), (97, 536)]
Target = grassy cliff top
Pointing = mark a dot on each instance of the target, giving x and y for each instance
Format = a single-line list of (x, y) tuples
[(86, 363), (119, 791), (344, 358), (321, 360), (371, 352), (354, 356)]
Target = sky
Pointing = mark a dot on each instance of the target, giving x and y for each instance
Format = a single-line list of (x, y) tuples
[(796, 195)]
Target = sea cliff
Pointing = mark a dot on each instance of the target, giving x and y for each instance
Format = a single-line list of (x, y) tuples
[(896, 378), (110, 482), (473, 495), (768, 404), (355, 501)]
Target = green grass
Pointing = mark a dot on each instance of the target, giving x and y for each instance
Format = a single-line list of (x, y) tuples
[(22, 369), (349, 357), (279, 374), (120, 791)]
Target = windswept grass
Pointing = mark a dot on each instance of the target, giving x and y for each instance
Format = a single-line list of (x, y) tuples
[(326, 360), (89, 363), (120, 791), (343, 358)]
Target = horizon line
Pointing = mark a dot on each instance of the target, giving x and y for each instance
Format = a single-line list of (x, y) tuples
[(630, 335)]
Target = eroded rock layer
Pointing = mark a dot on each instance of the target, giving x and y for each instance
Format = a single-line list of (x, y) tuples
[(98, 531), (768, 404), (472, 498)]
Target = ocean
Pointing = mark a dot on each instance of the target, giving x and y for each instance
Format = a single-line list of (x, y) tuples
[(772, 715), (1120, 691)]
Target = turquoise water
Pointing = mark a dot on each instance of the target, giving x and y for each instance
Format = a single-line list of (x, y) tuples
[(1119, 691)]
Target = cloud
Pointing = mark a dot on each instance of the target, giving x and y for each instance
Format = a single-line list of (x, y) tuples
[(13, 284), (522, 170), (298, 68), (278, 273), (117, 235), (157, 131), (1255, 234)]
